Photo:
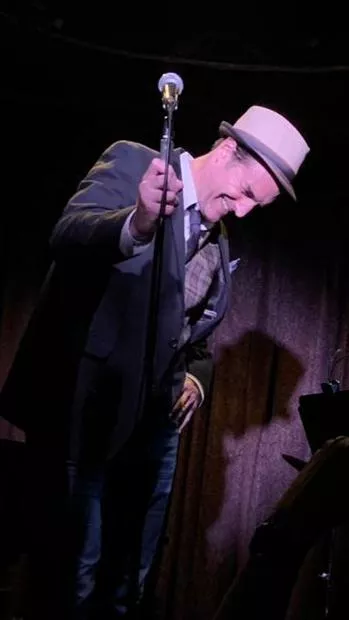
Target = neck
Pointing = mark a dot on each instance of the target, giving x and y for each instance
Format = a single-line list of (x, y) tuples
[(198, 169)]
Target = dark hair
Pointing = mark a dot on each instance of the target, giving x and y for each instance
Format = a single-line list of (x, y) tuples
[(241, 153)]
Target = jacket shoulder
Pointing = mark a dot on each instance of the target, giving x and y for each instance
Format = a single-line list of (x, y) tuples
[(128, 155), (129, 149), (136, 150)]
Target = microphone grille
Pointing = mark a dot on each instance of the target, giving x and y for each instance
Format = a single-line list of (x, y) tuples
[(171, 78)]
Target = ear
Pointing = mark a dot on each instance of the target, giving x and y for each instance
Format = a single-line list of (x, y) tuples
[(227, 148)]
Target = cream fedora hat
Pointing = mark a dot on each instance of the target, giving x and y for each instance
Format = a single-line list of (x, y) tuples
[(273, 139)]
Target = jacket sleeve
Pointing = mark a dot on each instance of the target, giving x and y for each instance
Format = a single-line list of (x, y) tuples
[(93, 219), (200, 364)]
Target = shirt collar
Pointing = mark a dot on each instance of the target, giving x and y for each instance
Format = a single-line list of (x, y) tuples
[(189, 192)]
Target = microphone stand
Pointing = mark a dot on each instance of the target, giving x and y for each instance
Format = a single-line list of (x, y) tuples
[(166, 148)]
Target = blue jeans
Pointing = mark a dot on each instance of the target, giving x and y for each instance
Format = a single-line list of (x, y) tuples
[(116, 515)]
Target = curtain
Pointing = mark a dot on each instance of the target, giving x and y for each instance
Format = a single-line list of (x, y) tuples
[(288, 316)]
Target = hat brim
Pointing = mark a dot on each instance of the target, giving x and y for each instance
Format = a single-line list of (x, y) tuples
[(252, 145)]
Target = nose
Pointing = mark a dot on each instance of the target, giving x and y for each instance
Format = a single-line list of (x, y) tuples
[(243, 206)]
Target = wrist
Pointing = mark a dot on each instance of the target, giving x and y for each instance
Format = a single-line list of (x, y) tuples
[(141, 228)]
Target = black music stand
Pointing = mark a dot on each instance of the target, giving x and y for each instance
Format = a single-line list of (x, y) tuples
[(325, 416)]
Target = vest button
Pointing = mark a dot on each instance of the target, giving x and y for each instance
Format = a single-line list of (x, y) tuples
[(173, 342)]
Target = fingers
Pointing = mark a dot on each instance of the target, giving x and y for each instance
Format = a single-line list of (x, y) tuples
[(185, 421), (186, 398), (152, 186), (155, 195), (185, 407), (182, 416), (156, 172)]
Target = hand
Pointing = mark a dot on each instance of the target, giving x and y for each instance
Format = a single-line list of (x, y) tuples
[(187, 403), (149, 197)]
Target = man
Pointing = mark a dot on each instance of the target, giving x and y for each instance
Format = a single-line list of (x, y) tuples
[(102, 459)]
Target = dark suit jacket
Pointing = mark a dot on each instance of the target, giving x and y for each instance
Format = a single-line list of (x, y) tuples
[(93, 306)]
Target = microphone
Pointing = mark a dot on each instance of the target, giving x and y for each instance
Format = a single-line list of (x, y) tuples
[(171, 86)]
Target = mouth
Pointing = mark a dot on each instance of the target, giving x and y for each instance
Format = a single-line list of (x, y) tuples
[(225, 204)]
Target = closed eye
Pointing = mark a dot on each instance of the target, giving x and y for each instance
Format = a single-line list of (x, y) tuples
[(249, 194)]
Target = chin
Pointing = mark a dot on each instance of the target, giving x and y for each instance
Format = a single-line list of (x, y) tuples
[(214, 211), (212, 216)]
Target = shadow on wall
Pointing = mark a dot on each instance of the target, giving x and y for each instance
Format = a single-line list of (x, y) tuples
[(256, 380)]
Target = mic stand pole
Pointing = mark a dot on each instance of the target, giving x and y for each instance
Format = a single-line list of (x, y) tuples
[(166, 147)]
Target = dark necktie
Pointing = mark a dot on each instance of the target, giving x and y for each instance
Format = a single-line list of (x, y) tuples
[(195, 229)]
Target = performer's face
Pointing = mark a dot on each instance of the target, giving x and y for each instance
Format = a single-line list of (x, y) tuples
[(226, 183)]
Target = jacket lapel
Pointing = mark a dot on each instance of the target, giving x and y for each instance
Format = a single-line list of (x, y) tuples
[(177, 221), (224, 248), (217, 305)]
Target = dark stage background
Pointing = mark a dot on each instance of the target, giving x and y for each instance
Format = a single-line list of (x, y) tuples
[(61, 105)]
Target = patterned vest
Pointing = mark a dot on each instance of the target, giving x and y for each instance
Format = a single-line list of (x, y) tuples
[(200, 271)]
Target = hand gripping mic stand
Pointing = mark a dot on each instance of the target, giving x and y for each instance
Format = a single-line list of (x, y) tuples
[(171, 85)]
